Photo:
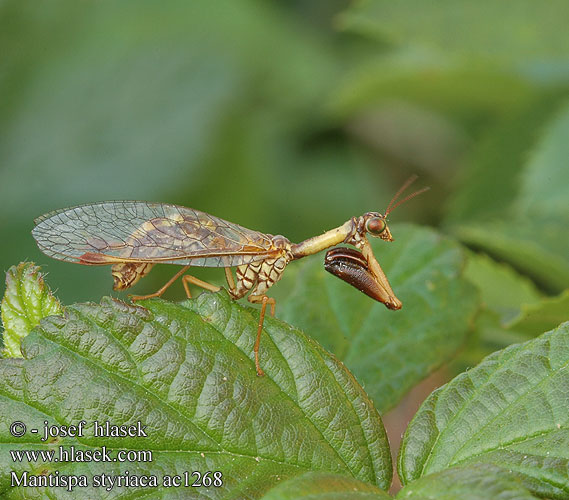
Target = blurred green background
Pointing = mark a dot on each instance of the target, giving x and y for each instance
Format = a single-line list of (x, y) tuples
[(289, 118)]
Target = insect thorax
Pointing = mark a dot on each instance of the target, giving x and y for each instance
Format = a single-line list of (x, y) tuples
[(260, 275)]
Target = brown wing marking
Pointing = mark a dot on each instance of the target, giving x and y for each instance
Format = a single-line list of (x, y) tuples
[(98, 259)]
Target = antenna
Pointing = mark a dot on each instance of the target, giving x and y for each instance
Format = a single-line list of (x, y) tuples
[(406, 184)]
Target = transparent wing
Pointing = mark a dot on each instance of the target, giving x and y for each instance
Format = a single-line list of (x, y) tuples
[(135, 231)]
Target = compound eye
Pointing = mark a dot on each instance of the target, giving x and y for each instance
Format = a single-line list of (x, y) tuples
[(376, 226)]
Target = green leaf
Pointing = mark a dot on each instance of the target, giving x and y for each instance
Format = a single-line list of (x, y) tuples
[(534, 29), (502, 289), (511, 410), (325, 486), (26, 301), (543, 315), (536, 247), (513, 310), (187, 374), (389, 351), (489, 334), (475, 482)]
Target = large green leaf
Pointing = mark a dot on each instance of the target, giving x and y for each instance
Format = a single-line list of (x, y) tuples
[(502, 289), (533, 29), (475, 482), (186, 372), (389, 351), (27, 300), (325, 486), (511, 410)]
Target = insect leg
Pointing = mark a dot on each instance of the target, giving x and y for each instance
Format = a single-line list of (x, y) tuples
[(391, 301), (159, 292), (195, 281), (230, 280), (264, 300)]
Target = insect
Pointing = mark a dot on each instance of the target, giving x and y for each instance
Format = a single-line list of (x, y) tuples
[(133, 236)]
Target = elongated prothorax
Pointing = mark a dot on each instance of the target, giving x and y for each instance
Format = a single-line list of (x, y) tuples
[(322, 242)]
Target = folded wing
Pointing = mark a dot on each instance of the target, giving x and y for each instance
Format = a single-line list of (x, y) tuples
[(134, 231)]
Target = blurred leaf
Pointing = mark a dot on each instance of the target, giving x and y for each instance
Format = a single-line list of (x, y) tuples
[(490, 181), (533, 235), (511, 410), (325, 486), (412, 135), (459, 88), (146, 96), (389, 352), (187, 374), (502, 289), (26, 301), (144, 108), (533, 29), (543, 315), (537, 248), (544, 189), (512, 311), (474, 482), (488, 335)]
